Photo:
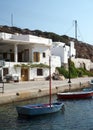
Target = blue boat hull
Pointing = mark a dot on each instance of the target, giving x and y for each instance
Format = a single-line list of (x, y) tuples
[(38, 109)]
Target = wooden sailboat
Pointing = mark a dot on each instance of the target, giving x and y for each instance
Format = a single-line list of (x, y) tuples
[(76, 95), (40, 109), (84, 94)]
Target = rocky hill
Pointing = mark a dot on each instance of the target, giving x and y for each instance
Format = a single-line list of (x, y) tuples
[(83, 50)]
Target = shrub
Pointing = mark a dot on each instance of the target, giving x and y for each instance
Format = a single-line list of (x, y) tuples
[(74, 72), (63, 71)]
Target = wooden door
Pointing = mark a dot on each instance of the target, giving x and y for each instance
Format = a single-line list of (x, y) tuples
[(24, 74)]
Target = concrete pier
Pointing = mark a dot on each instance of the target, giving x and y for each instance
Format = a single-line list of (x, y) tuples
[(14, 92)]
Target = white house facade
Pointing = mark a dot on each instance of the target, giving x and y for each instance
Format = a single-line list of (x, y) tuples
[(64, 51), (24, 55)]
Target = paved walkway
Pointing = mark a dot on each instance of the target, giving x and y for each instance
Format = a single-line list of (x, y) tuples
[(35, 85), (11, 89)]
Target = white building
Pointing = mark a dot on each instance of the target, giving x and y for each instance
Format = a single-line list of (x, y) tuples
[(20, 52), (64, 51)]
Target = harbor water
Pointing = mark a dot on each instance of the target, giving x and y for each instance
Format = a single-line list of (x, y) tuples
[(76, 115)]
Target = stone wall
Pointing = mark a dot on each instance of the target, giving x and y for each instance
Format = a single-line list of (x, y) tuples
[(82, 63)]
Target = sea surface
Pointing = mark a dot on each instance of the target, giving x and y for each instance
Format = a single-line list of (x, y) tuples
[(76, 115)]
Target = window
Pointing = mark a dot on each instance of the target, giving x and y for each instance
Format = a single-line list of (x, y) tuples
[(39, 72), (36, 56), (5, 71), (44, 55)]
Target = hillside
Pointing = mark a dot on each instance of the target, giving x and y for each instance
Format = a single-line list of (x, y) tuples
[(83, 50)]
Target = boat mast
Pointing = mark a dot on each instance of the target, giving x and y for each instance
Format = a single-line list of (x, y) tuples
[(50, 80)]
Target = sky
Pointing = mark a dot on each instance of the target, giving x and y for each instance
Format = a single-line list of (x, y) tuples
[(57, 16)]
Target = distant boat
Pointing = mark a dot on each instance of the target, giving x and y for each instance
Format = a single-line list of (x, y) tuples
[(40, 109), (76, 95)]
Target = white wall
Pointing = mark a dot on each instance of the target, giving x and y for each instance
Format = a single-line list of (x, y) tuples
[(55, 62), (72, 50), (33, 39), (41, 49), (33, 73), (91, 65), (79, 63), (5, 35), (62, 50)]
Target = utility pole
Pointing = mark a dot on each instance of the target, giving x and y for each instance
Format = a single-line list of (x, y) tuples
[(12, 20), (76, 29)]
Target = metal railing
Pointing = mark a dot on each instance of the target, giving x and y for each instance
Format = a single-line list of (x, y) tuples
[(2, 87)]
